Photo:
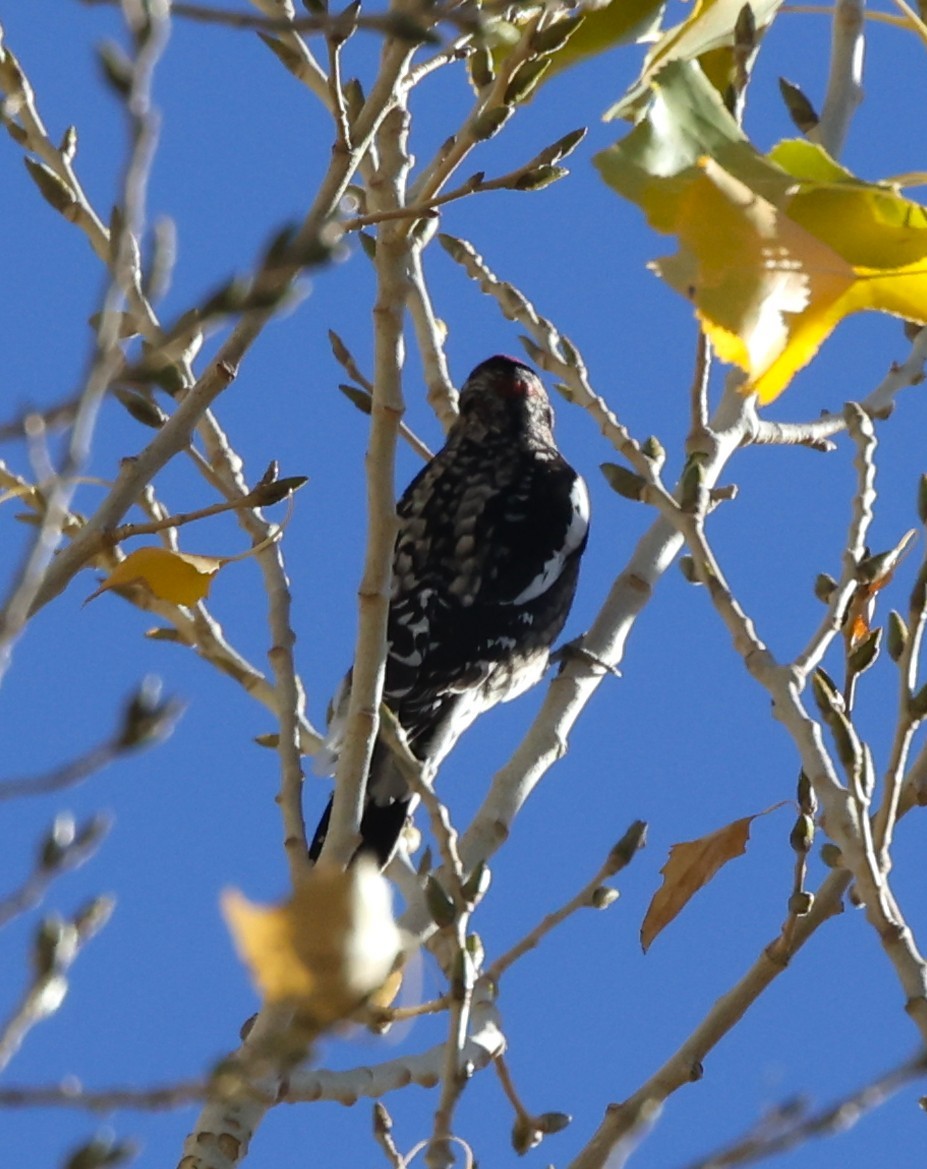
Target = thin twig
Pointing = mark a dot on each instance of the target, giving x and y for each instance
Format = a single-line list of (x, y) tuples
[(387, 24), (72, 1094), (429, 334), (625, 1122), (106, 360), (590, 896), (383, 1135), (844, 82), (863, 434), (906, 725), (792, 1124), (698, 421)]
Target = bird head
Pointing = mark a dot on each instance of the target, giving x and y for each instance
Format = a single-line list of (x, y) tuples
[(503, 396)]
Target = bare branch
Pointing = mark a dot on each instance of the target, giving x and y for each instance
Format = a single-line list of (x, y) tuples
[(593, 895), (844, 84), (792, 1124)]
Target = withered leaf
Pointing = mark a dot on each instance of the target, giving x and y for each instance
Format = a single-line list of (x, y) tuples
[(691, 865)]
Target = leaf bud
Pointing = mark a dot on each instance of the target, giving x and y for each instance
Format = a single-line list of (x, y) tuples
[(146, 718), (826, 695), (802, 835), (692, 485), (628, 846), (846, 740), (482, 73), (116, 68), (440, 906), (799, 108), (382, 1121), (918, 703), (54, 191), (553, 1122), (539, 177), (477, 884), (54, 945), (102, 1151), (807, 800), (862, 656), (922, 499), (476, 950), (288, 57), (918, 598), (561, 148), (357, 397), (353, 99), (58, 842), (491, 121), (896, 638), (68, 147), (801, 902), (824, 587), (555, 36), (627, 484), (92, 917), (526, 79), (653, 449), (140, 407)]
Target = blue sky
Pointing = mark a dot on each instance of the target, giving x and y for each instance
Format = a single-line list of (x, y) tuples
[(684, 739)]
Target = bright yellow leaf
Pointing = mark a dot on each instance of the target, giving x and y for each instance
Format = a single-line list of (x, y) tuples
[(326, 951), (773, 251), (766, 291), (178, 577)]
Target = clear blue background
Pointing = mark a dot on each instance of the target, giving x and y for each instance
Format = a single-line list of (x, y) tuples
[(683, 740)]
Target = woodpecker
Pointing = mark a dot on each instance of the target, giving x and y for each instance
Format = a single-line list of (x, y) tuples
[(491, 532)]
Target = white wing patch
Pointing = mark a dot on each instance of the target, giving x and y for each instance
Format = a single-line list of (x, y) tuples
[(572, 539)]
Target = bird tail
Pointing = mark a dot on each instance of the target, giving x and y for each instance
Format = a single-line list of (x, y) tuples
[(385, 812), (380, 828)]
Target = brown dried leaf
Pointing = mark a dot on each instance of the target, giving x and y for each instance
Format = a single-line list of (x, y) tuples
[(691, 865)]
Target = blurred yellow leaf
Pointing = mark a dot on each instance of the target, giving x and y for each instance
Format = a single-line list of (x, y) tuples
[(773, 251), (178, 577), (594, 30), (707, 33), (691, 865), (328, 949), (605, 27)]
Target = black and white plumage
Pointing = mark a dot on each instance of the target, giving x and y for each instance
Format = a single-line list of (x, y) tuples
[(485, 565)]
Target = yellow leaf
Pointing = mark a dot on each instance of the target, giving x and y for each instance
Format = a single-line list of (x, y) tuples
[(328, 949), (595, 30), (766, 291), (773, 252), (691, 865), (708, 32), (606, 27), (178, 577)]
